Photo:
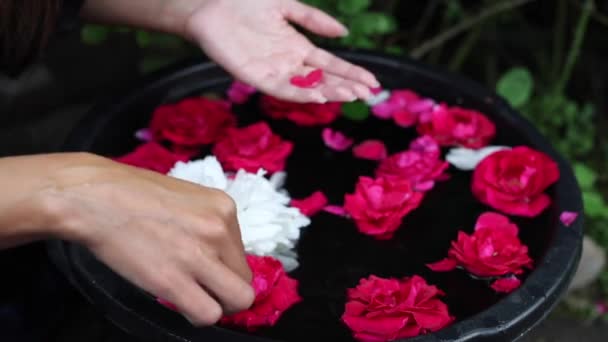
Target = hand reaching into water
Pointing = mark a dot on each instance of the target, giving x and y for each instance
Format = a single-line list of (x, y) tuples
[(175, 239), (254, 40)]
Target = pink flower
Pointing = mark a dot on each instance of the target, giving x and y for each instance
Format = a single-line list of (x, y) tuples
[(455, 126), (251, 148), (514, 181), (312, 204), (275, 292), (240, 92), (310, 80), (380, 309), (494, 249), (506, 285), (378, 206), (370, 149), (568, 217), (421, 164), (192, 122), (336, 140), (144, 135), (152, 156), (404, 106), (302, 114)]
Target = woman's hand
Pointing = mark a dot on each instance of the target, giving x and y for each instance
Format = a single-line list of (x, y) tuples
[(251, 39), (174, 239), (255, 41)]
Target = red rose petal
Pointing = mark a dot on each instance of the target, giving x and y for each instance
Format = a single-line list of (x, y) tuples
[(167, 304), (312, 204), (336, 210), (568, 217), (506, 285), (444, 265), (371, 150), (310, 80)]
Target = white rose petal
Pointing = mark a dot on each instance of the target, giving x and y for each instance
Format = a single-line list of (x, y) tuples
[(467, 159), (269, 226), (378, 98)]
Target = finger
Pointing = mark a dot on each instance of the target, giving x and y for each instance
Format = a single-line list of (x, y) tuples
[(313, 19), (281, 88), (234, 256), (191, 300), (332, 83), (330, 63), (229, 289)]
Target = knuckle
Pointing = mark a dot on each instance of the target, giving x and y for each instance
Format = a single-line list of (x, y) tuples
[(224, 203)]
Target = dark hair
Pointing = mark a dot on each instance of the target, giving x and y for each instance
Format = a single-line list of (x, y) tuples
[(25, 29)]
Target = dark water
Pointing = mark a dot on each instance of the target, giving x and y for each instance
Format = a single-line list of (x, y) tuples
[(333, 255)]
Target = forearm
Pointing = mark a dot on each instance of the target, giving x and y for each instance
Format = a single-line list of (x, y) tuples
[(159, 15), (27, 212)]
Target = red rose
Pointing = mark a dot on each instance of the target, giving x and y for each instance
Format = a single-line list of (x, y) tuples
[(303, 114), (387, 309), (152, 156), (458, 126), (492, 250), (506, 284), (421, 164), (275, 292), (252, 148), (513, 181), (192, 122), (379, 205)]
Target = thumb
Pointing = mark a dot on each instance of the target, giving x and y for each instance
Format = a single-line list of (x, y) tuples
[(313, 19)]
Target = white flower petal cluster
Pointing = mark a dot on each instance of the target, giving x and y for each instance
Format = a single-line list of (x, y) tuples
[(467, 159), (269, 226)]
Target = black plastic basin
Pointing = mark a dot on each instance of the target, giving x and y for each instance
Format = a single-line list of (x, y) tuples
[(332, 255)]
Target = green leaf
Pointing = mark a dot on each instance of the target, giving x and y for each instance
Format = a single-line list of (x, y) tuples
[(585, 175), (372, 23), (516, 86), (94, 34), (356, 111), (595, 206), (143, 38), (351, 7), (396, 50)]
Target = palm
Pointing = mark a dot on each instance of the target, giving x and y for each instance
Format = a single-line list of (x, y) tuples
[(254, 41)]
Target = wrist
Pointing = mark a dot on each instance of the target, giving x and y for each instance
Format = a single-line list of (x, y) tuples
[(176, 15)]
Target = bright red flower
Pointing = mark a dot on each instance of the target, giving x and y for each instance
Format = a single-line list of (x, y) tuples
[(303, 114), (251, 148), (493, 250), (378, 206), (192, 122), (312, 204), (421, 164), (152, 156), (275, 292), (455, 126), (379, 309), (513, 181)]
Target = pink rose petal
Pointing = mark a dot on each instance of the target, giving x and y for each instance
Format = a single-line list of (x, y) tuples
[(167, 304), (311, 80), (370, 149), (240, 92), (568, 217), (336, 140), (335, 210), (506, 285), (144, 134), (312, 204), (444, 265)]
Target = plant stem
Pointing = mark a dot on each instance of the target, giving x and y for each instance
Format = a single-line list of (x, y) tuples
[(558, 35), (575, 48), (466, 24), (425, 19), (465, 48)]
